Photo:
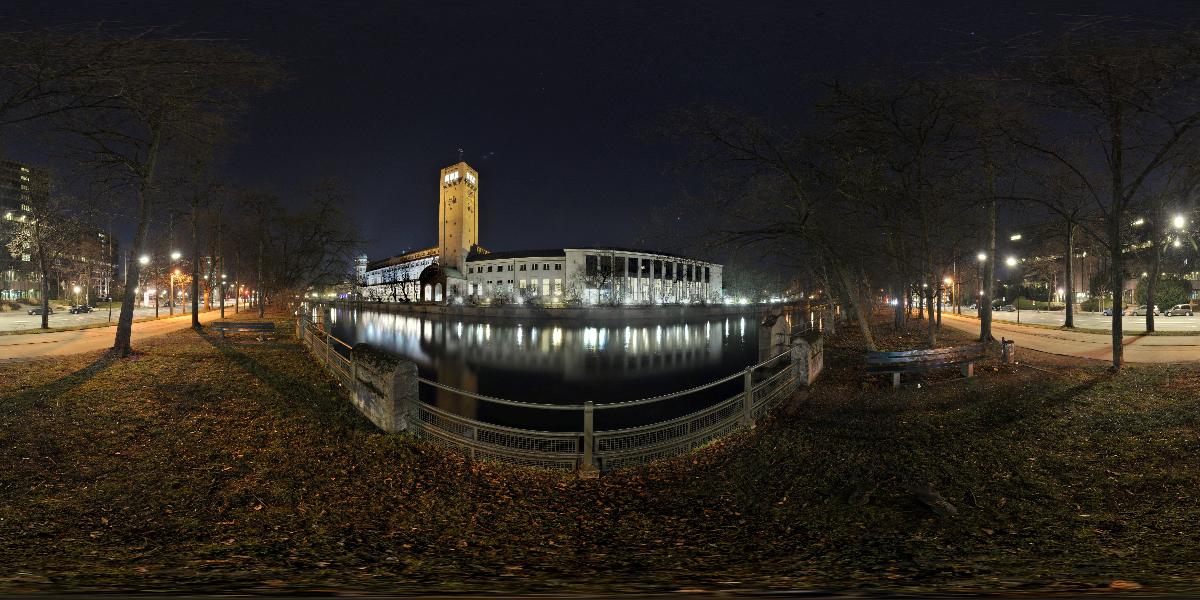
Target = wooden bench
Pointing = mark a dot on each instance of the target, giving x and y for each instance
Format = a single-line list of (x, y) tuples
[(917, 361), (241, 326)]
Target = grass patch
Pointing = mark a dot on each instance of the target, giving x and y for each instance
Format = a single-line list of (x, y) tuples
[(207, 465)]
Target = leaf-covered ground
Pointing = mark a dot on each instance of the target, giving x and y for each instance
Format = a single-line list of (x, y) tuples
[(202, 465)]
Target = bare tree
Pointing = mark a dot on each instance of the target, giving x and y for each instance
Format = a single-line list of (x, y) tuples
[(45, 234), (166, 96), (1129, 94)]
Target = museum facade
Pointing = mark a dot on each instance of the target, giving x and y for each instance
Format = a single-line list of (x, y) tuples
[(460, 270)]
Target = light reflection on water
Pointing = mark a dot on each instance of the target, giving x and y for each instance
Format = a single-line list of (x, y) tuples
[(563, 362)]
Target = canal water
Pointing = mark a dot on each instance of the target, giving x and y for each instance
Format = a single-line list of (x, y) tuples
[(561, 362)]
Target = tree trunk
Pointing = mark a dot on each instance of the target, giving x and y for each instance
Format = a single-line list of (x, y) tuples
[(122, 345), (989, 266), (259, 286), (220, 261), (195, 268), (1117, 284), (855, 301), (940, 293), (931, 335), (1152, 283), (1069, 286)]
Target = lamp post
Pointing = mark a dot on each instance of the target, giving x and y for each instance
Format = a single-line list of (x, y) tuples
[(1012, 262), (76, 290), (145, 260), (171, 294)]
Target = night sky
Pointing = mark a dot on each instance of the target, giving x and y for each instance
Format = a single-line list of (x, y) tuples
[(554, 103)]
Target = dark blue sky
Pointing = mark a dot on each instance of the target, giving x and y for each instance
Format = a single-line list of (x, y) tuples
[(551, 101)]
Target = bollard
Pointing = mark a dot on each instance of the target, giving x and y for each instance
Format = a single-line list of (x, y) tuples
[(1008, 351), (748, 398), (587, 467)]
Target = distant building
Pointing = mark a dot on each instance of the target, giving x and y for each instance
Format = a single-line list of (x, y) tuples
[(89, 263), (459, 268)]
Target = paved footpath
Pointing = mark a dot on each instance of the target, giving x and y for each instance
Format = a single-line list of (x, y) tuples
[(58, 343), (1138, 348)]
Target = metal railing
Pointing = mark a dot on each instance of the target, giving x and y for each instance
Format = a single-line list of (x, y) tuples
[(764, 385)]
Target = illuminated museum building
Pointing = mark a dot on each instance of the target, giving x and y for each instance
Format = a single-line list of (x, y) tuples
[(460, 268)]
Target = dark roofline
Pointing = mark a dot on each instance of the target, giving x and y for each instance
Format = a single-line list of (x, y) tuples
[(511, 254), (400, 258), (642, 251)]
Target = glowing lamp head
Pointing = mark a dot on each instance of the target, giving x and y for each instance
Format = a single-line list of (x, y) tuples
[(1179, 222), (981, 256), (175, 255), (144, 259), (1011, 261)]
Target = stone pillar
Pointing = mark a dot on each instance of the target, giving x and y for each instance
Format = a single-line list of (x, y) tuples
[(772, 336), (385, 388), (808, 358)]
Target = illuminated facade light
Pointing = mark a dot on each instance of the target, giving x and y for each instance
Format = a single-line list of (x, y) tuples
[(1014, 237)]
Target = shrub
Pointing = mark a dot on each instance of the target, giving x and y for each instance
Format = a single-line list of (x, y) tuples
[(1171, 291)]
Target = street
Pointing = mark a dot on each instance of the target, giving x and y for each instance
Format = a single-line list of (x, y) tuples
[(21, 320), (1091, 320), (61, 343)]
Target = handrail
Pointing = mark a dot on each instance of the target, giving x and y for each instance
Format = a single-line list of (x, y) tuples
[(565, 407), (503, 401)]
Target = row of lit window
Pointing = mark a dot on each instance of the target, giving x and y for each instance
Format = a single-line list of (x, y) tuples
[(453, 176), (521, 267)]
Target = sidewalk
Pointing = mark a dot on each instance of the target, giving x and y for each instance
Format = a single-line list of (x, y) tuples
[(59, 343), (1138, 348)]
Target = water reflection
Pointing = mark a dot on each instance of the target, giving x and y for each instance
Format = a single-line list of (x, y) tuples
[(565, 362)]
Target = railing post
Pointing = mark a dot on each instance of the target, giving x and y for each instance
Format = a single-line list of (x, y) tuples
[(588, 464), (748, 397)]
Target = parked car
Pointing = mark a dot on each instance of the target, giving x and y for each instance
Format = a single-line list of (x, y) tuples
[(1138, 311), (1107, 312), (37, 310), (1179, 310), (82, 308), (1007, 308)]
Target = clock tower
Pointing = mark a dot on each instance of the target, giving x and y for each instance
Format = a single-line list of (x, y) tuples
[(458, 215)]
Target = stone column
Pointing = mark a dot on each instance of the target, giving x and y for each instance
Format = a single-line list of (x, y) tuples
[(385, 388)]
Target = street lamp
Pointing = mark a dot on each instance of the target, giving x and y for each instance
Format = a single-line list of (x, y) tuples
[(982, 257), (76, 290), (144, 259), (174, 274), (1016, 237), (1011, 261), (175, 255), (1179, 222)]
